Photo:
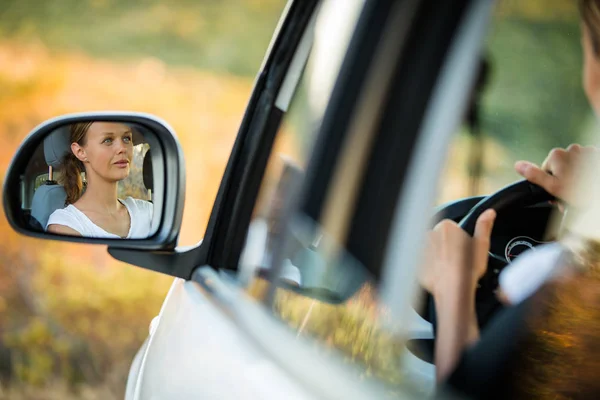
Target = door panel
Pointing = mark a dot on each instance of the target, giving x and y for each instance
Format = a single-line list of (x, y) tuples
[(213, 339), (208, 356)]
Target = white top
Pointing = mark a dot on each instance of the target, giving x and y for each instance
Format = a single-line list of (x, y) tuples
[(521, 278), (140, 216)]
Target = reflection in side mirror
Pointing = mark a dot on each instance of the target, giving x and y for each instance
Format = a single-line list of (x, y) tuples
[(96, 177), (86, 179)]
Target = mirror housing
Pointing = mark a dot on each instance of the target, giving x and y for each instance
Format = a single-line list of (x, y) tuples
[(167, 166)]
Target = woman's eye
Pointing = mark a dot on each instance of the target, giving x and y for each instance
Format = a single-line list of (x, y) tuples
[(107, 140), (127, 139)]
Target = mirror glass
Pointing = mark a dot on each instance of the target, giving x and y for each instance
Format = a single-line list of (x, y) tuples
[(93, 179)]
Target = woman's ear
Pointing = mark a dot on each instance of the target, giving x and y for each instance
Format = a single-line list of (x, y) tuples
[(79, 152)]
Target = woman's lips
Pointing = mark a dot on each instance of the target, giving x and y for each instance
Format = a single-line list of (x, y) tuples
[(122, 164)]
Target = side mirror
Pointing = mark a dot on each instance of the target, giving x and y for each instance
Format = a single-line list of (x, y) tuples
[(111, 178)]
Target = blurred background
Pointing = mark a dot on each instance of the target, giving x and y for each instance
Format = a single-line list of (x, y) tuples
[(71, 318), (531, 101)]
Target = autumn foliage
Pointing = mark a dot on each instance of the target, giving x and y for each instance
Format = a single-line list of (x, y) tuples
[(70, 313)]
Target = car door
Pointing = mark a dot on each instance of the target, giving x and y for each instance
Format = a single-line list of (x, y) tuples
[(362, 185), (368, 195), (301, 285)]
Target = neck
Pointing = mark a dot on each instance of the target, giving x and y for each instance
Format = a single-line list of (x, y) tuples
[(101, 194)]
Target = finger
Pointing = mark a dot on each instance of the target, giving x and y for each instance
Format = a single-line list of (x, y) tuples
[(576, 148), (502, 297), (485, 224), (588, 156), (426, 272), (535, 174), (482, 237), (556, 158)]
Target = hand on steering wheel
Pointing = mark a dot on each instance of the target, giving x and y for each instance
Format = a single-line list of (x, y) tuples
[(557, 173), (454, 259), (520, 194)]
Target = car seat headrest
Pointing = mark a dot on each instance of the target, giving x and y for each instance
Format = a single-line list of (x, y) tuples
[(147, 171), (56, 145)]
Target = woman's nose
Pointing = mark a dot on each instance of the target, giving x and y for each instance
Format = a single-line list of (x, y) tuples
[(121, 147)]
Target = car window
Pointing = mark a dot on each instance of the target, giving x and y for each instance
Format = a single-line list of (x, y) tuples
[(323, 293), (39, 180), (133, 185), (318, 60), (530, 100)]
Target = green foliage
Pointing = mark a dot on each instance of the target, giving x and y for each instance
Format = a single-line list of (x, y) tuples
[(227, 36), (88, 324), (38, 353), (356, 330), (538, 10), (535, 100)]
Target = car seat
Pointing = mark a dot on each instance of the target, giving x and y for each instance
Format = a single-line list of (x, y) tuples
[(51, 196), (147, 173)]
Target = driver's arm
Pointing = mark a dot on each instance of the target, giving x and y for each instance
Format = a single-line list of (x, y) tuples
[(454, 263), (486, 369)]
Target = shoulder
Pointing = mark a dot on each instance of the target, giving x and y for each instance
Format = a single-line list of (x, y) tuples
[(62, 214), (486, 369), (64, 218), (138, 205)]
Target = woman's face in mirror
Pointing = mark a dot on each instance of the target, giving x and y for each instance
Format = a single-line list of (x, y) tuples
[(107, 151)]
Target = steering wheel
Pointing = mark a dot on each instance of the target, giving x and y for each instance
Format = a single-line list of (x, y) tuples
[(517, 195)]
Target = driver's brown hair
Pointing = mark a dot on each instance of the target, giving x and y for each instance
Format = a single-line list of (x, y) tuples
[(560, 359), (72, 167), (589, 11)]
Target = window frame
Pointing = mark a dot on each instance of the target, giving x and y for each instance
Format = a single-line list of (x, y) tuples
[(328, 379), (230, 217)]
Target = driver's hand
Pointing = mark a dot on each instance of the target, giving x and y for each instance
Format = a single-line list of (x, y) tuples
[(454, 260), (558, 171)]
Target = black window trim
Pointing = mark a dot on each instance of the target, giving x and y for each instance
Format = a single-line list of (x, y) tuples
[(230, 216), (435, 26), (226, 231)]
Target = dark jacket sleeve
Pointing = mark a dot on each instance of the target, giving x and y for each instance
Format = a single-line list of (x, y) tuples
[(486, 370)]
